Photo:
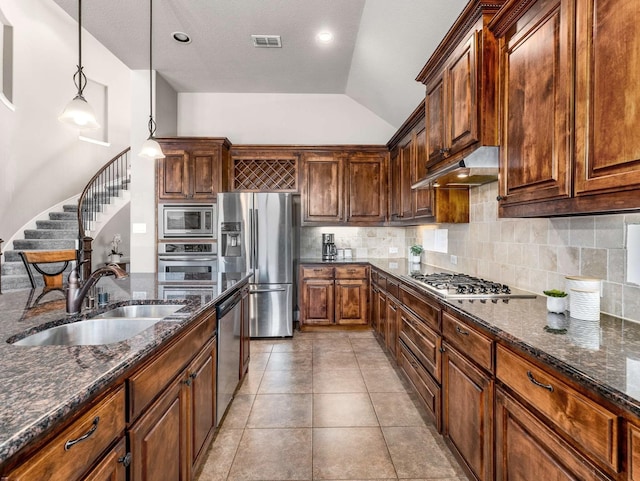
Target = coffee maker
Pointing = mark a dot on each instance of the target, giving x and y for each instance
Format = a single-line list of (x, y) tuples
[(329, 251)]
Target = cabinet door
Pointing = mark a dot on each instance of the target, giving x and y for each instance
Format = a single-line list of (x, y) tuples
[(407, 160), (467, 412), (204, 174), (461, 116), (422, 198), (366, 188), (351, 301), (536, 90), (113, 466), (173, 175), (159, 440), (395, 182), (434, 119), (527, 450), (392, 320), (202, 395), (607, 96), (375, 314), (322, 190), (317, 302)]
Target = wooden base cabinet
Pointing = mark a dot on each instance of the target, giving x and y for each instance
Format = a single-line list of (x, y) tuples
[(467, 412), (334, 296), (527, 450), (113, 466)]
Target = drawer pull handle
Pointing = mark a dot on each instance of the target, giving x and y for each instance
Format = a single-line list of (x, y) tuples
[(441, 349), (69, 444), (460, 331), (193, 375), (548, 387), (187, 381)]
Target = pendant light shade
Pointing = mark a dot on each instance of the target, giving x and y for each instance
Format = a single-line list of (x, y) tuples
[(78, 113), (151, 148)]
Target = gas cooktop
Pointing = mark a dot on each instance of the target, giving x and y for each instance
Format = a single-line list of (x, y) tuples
[(463, 286)]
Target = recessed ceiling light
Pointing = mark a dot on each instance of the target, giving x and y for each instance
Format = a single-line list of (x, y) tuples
[(324, 37), (181, 37)]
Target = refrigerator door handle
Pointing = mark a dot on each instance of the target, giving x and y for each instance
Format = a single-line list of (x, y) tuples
[(251, 240), (259, 291), (255, 237)]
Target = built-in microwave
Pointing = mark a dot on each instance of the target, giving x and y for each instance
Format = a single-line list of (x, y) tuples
[(180, 220)]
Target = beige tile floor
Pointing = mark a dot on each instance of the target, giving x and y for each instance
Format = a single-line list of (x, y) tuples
[(326, 406)]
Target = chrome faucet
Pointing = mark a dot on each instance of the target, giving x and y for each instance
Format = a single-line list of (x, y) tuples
[(77, 293)]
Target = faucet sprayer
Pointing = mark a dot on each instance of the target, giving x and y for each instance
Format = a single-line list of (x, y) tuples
[(76, 293)]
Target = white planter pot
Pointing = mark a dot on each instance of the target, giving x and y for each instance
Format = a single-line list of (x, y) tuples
[(556, 304), (114, 258), (414, 259)]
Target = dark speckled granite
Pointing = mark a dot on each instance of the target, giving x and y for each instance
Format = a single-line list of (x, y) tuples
[(40, 386), (602, 355)]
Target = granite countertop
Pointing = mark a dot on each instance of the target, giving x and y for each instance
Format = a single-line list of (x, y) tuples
[(603, 355), (41, 385)]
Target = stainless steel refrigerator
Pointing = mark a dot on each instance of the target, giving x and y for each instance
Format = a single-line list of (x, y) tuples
[(255, 233)]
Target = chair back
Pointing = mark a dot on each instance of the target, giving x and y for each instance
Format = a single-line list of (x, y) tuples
[(53, 275)]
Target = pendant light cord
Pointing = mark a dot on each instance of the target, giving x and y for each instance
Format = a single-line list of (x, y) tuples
[(152, 123), (79, 78)]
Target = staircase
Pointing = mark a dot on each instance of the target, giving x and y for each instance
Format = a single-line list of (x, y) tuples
[(59, 232), (62, 230)]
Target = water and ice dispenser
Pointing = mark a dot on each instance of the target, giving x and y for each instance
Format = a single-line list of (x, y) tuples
[(231, 239)]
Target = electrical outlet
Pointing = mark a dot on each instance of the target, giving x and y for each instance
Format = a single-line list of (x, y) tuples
[(393, 250), (454, 260), (139, 295)]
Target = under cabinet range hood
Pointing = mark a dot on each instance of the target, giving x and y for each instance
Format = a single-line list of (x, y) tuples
[(477, 168)]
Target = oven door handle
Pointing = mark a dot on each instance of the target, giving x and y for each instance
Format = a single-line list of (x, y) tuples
[(187, 258)]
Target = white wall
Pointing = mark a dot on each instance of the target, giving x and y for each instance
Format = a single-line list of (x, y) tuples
[(166, 108), (42, 162), (280, 119)]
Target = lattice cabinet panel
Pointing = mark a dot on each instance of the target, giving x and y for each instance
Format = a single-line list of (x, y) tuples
[(265, 174)]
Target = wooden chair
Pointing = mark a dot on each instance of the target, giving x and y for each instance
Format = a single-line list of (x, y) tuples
[(52, 278)]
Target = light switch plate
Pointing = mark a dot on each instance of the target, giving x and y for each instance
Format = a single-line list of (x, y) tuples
[(393, 250)]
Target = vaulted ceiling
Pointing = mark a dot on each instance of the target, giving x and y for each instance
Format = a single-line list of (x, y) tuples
[(378, 49)]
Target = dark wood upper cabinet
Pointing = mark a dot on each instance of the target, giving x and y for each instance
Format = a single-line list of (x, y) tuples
[(570, 143), (607, 116), (192, 168), (322, 191), (344, 186), (461, 87)]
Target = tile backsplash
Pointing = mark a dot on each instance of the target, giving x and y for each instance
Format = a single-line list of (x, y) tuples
[(536, 254), (531, 254)]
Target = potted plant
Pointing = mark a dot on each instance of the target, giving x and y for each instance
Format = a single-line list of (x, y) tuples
[(556, 300), (415, 251), (115, 254)]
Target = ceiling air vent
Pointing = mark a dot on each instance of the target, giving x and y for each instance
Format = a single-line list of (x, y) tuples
[(266, 41)]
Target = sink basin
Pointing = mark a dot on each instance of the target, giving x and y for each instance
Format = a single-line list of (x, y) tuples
[(88, 333), (116, 325), (145, 311)]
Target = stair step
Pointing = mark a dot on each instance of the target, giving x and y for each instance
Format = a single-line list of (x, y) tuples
[(63, 215), (13, 269), (14, 282), (50, 234), (44, 244), (70, 207), (57, 224), (11, 256)]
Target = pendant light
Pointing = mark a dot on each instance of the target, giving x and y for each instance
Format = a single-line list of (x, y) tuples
[(78, 113), (150, 148)]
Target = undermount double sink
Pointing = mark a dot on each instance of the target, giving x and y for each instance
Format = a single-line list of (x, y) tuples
[(115, 325)]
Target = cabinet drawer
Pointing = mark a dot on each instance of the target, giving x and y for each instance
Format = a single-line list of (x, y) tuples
[(317, 272), (592, 426), (374, 277), (63, 460), (149, 381), (426, 311), (423, 342), (471, 343), (393, 288), (382, 282), (427, 389), (352, 272)]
